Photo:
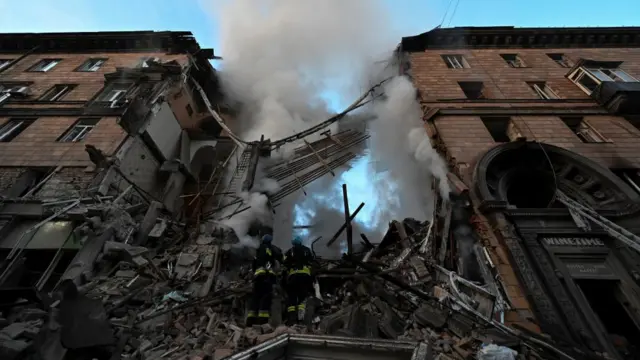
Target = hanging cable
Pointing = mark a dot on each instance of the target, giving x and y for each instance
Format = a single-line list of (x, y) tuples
[(445, 13), (454, 13)]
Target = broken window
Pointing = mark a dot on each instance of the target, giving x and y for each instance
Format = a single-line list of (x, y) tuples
[(583, 130), (513, 60), (455, 61), (44, 65), (113, 92), (588, 79), (79, 130), (498, 128), (147, 61), (630, 176), (634, 121), (4, 63), (13, 128), (57, 92), (543, 90), (92, 65), (473, 90), (561, 60)]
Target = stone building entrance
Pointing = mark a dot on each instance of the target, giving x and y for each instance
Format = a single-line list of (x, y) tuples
[(582, 283)]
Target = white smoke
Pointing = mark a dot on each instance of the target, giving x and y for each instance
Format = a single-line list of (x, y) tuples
[(258, 212), (282, 56), (280, 59), (403, 159)]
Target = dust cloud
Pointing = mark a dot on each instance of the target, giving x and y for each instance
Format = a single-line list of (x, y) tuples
[(282, 58)]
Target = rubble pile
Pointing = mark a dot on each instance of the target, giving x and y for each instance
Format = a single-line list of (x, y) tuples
[(374, 307), (142, 286), (174, 291)]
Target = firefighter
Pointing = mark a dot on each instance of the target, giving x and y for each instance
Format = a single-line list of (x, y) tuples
[(264, 278), (299, 282)]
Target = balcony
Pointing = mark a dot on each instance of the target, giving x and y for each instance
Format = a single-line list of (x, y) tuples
[(619, 98)]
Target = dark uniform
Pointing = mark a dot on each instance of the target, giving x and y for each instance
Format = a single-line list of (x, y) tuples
[(299, 282), (263, 280)]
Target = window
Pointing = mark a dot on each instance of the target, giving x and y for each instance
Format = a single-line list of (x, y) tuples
[(542, 90), (114, 92), (13, 90), (498, 128), (146, 61), (57, 92), (13, 128), (4, 63), (561, 60), (588, 78), (79, 130), (91, 65), (455, 61), (189, 110), (513, 60), (630, 176), (583, 130), (473, 90), (45, 65)]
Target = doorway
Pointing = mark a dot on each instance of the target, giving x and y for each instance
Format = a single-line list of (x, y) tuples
[(608, 304)]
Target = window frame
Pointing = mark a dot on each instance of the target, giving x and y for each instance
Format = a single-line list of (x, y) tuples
[(60, 94), (85, 129), (34, 67), (563, 62), (492, 123), (482, 91), (451, 60), (84, 65), (110, 88), (22, 124), (544, 91), (142, 63), (517, 59), (4, 63), (583, 71), (585, 131)]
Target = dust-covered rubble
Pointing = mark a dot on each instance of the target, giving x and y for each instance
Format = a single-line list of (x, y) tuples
[(182, 294)]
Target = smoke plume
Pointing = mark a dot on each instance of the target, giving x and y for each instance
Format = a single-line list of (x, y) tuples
[(403, 159), (282, 57)]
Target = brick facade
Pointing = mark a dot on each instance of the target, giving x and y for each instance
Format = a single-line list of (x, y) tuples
[(37, 145), (463, 139), (88, 83), (466, 137)]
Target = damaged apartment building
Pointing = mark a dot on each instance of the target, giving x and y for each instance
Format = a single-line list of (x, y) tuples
[(91, 124), (542, 127)]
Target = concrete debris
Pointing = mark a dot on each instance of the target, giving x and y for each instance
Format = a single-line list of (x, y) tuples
[(166, 290)]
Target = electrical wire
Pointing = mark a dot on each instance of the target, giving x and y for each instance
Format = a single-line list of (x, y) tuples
[(445, 13), (454, 12)]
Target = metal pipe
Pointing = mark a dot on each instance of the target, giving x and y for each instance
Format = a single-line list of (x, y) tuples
[(347, 220), (344, 226), (324, 163)]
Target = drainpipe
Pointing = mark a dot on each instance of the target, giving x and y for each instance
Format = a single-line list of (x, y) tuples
[(17, 60)]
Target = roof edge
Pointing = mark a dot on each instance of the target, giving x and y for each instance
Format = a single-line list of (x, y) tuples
[(103, 41), (513, 37)]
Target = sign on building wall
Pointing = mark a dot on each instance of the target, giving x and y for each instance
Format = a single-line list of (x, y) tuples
[(572, 241), (590, 270)]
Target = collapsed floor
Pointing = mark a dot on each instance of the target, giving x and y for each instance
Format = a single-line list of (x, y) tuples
[(145, 286), (183, 296)]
